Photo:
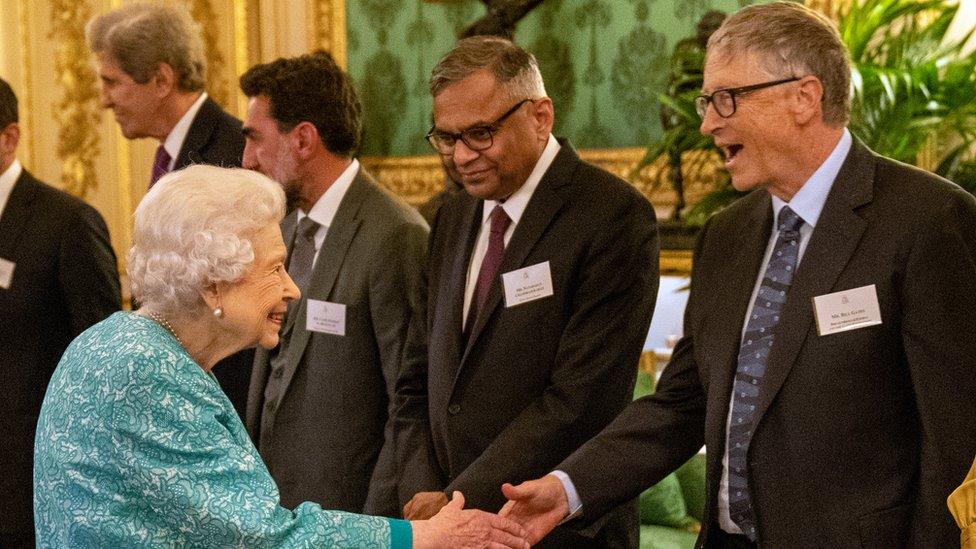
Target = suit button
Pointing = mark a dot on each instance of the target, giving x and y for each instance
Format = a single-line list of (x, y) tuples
[(454, 409), (277, 372)]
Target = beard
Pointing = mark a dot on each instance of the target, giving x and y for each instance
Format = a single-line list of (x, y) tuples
[(293, 195), (285, 173)]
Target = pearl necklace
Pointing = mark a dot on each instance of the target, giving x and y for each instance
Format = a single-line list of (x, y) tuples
[(165, 324)]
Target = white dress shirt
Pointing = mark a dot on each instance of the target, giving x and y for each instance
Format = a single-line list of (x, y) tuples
[(325, 208), (174, 141), (514, 206), (7, 180)]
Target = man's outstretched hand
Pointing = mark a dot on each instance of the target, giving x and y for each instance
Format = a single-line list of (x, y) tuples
[(538, 505)]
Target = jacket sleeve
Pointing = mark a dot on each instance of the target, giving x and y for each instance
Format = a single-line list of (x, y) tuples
[(87, 270), (962, 505), (415, 463), (395, 297), (652, 436)]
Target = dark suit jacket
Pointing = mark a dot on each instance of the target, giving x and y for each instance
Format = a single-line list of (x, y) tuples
[(65, 280), (327, 438), (215, 139), (535, 380), (860, 435)]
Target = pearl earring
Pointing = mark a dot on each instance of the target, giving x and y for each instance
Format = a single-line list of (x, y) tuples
[(218, 312)]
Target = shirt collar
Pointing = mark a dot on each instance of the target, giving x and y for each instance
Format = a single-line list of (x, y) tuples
[(809, 201), (7, 181), (325, 208), (174, 141), (515, 205)]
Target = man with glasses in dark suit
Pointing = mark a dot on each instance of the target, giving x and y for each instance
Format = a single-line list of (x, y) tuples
[(828, 355), (542, 278)]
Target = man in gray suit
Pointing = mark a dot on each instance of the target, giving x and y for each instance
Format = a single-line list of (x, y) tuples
[(318, 404)]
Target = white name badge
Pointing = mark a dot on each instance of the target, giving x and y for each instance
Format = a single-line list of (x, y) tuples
[(325, 317), (527, 284), (6, 273), (847, 310)]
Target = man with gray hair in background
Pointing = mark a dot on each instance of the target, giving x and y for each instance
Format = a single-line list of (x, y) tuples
[(828, 355), (542, 278), (152, 70)]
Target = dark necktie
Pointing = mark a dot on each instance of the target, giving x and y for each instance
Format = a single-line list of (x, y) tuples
[(160, 165), (302, 257), (490, 264), (753, 354), (303, 253)]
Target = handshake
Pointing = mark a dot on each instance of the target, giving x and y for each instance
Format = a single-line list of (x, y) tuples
[(533, 509)]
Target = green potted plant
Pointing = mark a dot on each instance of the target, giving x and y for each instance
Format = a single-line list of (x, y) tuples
[(913, 91)]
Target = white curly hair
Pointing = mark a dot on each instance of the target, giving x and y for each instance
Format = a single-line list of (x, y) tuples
[(194, 229)]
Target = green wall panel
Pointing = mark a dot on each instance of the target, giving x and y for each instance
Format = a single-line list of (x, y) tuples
[(604, 63)]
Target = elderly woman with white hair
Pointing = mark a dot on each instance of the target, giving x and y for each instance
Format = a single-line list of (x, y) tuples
[(137, 445)]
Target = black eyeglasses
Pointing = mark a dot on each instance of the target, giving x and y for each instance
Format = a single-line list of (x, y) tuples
[(477, 138), (724, 100)]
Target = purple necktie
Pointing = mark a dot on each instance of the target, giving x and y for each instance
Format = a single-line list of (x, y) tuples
[(491, 262), (160, 165)]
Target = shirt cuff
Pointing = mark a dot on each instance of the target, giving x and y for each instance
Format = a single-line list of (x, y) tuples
[(401, 534), (572, 496)]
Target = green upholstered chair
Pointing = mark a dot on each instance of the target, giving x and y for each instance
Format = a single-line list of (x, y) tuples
[(671, 511)]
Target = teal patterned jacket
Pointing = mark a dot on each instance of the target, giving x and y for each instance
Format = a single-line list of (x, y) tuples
[(137, 446)]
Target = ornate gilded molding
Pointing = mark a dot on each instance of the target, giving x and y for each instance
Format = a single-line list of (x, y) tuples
[(676, 262), (242, 49), (327, 28), (203, 13), (27, 96), (417, 178), (77, 112)]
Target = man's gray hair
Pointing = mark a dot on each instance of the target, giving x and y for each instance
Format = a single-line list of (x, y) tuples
[(139, 37), (792, 40), (514, 68), (194, 229)]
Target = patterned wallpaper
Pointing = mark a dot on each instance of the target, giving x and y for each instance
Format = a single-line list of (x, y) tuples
[(604, 63)]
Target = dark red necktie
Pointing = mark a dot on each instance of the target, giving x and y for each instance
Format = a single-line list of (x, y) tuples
[(491, 262), (160, 165)]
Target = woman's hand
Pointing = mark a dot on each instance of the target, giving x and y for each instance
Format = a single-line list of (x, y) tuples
[(456, 528)]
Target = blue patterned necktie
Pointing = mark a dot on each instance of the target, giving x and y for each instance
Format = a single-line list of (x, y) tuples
[(757, 342)]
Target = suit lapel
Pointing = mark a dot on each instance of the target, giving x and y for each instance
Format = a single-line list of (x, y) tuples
[(15, 214), (200, 132), (538, 214), (453, 285), (747, 253), (288, 227), (836, 236), (339, 237)]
